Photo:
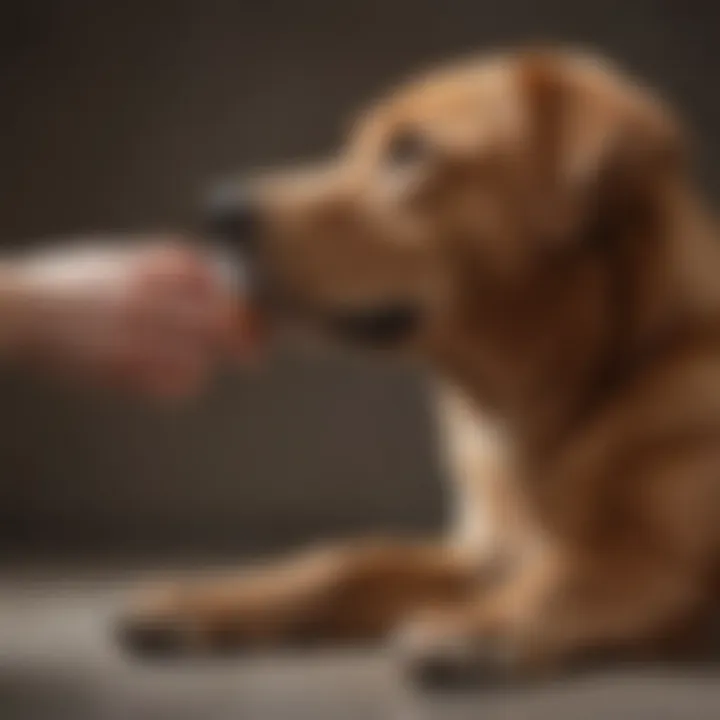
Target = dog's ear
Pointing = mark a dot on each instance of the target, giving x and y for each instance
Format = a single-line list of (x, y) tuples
[(603, 151)]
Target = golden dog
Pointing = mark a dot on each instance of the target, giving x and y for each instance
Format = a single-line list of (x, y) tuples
[(528, 226)]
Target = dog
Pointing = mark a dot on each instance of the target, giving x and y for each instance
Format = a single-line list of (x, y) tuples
[(527, 226)]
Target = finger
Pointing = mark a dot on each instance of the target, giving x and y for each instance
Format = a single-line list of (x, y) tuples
[(175, 320), (174, 267), (208, 311)]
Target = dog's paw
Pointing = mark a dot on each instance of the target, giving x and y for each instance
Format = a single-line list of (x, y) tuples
[(153, 637), (438, 656), (159, 624)]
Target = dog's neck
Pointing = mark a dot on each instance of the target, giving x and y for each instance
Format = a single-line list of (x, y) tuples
[(548, 356)]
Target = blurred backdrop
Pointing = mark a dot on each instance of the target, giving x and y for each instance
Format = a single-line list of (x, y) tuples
[(114, 117)]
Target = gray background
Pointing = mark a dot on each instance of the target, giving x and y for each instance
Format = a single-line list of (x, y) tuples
[(114, 116)]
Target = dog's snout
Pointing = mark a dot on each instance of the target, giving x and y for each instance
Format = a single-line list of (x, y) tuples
[(233, 216)]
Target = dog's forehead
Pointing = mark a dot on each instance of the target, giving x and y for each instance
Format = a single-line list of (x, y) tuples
[(467, 103), (457, 88)]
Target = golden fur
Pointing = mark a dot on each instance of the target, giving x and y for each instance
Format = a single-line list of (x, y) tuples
[(550, 231)]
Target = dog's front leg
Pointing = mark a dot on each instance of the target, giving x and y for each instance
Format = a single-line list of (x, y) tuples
[(358, 591)]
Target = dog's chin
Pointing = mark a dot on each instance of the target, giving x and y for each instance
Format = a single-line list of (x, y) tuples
[(381, 326)]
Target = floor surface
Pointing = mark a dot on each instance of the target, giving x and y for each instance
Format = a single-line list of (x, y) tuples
[(58, 661)]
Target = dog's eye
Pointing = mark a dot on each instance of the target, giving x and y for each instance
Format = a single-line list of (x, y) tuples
[(406, 148)]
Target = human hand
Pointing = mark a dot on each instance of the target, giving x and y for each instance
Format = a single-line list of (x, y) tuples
[(155, 316)]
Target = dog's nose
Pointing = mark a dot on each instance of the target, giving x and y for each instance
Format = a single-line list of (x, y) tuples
[(233, 217)]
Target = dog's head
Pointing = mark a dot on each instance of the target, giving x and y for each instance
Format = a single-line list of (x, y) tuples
[(473, 186)]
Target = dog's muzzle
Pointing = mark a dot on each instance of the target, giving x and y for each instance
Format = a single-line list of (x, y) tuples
[(234, 223)]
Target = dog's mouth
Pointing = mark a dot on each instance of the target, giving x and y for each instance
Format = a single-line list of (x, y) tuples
[(379, 325)]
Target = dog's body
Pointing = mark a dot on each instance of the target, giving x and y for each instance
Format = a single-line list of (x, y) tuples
[(537, 231)]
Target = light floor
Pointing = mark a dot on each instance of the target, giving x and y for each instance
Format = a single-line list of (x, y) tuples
[(58, 661)]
